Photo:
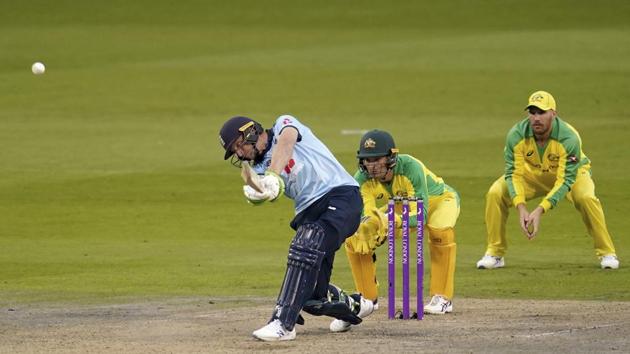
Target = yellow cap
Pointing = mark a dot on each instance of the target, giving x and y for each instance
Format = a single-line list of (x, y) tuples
[(543, 100)]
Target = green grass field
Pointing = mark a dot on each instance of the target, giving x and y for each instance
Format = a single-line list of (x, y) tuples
[(112, 182)]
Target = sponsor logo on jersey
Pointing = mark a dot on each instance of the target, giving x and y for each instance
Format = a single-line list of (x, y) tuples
[(530, 152), (289, 166), (572, 159), (286, 121)]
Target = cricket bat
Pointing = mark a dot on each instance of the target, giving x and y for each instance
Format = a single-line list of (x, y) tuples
[(250, 177)]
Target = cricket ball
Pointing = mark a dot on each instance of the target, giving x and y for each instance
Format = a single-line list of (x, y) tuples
[(38, 68)]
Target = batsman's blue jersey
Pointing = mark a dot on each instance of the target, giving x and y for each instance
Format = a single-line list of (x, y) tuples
[(312, 171)]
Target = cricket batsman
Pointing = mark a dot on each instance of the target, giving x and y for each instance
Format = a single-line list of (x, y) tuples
[(543, 158), (328, 209), (384, 173)]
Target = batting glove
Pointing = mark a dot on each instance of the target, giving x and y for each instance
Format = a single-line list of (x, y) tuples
[(273, 185), (254, 197)]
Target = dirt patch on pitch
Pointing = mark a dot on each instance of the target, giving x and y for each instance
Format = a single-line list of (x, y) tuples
[(223, 325)]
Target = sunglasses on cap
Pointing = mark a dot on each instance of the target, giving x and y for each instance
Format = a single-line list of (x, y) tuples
[(533, 110)]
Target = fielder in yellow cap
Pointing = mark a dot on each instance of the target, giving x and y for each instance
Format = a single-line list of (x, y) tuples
[(543, 100), (543, 158)]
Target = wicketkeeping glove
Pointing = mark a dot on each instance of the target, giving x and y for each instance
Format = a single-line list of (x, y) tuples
[(369, 235), (397, 218), (381, 233), (273, 185)]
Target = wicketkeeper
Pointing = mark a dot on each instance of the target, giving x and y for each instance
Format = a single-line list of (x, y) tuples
[(384, 173), (327, 206)]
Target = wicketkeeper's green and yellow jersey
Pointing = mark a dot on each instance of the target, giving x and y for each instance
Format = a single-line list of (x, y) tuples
[(554, 165), (411, 179)]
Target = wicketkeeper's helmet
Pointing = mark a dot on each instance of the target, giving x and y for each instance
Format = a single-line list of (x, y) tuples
[(377, 143)]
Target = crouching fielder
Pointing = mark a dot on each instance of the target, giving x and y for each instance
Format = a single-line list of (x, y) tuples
[(328, 210), (382, 174)]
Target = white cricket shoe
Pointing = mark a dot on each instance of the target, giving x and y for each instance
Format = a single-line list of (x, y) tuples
[(274, 331), (609, 261), (490, 262), (439, 305), (366, 309)]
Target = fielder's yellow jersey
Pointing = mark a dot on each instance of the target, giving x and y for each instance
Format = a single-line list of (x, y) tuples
[(554, 165), (411, 179)]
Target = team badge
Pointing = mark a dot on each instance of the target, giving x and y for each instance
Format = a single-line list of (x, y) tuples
[(537, 98), (369, 143)]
